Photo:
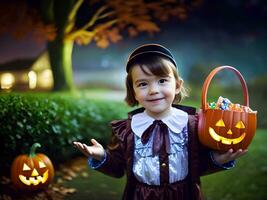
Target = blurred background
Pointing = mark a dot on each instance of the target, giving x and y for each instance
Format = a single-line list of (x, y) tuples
[(201, 35), (205, 34), (79, 49)]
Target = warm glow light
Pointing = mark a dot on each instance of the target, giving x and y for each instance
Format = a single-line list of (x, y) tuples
[(45, 78), (7, 80), (34, 180), (32, 79), (224, 140)]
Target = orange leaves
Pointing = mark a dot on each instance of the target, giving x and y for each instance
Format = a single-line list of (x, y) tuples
[(180, 12), (167, 9), (104, 37), (102, 42), (114, 35), (46, 32), (132, 32), (101, 35), (108, 21), (114, 19), (20, 20), (147, 26)]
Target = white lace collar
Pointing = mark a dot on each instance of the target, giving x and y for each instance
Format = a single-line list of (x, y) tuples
[(176, 121)]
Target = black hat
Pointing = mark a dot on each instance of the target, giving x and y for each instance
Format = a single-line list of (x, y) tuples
[(149, 49)]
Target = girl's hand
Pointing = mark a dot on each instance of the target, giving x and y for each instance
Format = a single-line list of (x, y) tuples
[(96, 150), (224, 157)]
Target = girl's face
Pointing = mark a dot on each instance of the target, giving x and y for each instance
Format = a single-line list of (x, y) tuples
[(154, 93)]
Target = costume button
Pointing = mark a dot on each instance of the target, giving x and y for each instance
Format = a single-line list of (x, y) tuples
[(163, 165)]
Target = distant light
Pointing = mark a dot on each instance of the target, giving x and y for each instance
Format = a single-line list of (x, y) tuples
[(32, 79), (47, 74), (45, 78), (7, 81)]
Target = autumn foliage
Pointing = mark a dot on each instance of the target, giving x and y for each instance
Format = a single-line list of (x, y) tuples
[(19, 19), (107, 23)]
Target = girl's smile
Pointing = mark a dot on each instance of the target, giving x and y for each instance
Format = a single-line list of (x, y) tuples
[(155, 101), (154, 93)]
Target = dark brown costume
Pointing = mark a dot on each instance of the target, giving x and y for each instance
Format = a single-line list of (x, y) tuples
[(120, 160)]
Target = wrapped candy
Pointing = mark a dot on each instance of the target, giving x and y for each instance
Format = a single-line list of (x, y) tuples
[(225, 104), (212, 105)]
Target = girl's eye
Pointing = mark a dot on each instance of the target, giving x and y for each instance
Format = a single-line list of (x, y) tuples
[(142, 84), (163, 80)]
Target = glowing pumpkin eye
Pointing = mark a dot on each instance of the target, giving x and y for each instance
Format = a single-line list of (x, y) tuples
[(26, 167), (41, 164), (220, 123), (240, 125)]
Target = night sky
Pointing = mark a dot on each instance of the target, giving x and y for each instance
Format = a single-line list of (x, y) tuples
[(217, 33)]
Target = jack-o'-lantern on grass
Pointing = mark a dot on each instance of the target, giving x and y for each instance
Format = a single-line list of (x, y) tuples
[(226, 129), (33, 171)]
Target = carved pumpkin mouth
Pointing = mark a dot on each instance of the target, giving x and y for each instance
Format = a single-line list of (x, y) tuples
[(224, 140), (35, 180)]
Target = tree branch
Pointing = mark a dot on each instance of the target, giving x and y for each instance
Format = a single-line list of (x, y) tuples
[(98, 16), (80, 33), (88, 35), (72, 14), (106, 15), (106, 25)]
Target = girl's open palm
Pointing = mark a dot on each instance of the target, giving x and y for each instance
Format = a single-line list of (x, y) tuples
[(96, 150), (224, 157)]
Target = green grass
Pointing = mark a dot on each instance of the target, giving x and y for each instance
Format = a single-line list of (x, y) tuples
[(96, 186), (246, 181)]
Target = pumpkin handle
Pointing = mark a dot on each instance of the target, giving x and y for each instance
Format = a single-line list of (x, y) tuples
[(33, 148), (212, 74)]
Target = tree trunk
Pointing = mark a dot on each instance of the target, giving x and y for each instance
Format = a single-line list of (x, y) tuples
[(60, 54)]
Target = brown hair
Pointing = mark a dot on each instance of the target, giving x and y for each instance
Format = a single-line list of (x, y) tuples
[(158, 66)]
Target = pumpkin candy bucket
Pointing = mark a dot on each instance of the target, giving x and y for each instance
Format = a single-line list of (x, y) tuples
[(226, 129)]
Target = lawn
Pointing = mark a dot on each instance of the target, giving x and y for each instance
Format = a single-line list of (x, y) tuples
[(246, 181)]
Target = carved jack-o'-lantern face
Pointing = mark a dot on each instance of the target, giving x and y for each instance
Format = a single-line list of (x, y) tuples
[(224, 140), (223, 130), (32, 172), (36, 175)]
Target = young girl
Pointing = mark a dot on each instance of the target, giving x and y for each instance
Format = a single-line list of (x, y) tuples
[(157, 146)]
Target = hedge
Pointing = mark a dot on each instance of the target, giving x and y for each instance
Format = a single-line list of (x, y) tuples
[(55, 121)]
